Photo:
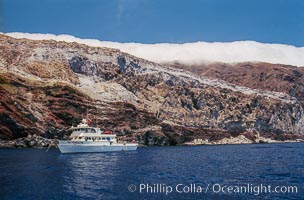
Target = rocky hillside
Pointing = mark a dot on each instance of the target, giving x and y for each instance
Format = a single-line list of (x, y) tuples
[(47, 86), (265, 76)]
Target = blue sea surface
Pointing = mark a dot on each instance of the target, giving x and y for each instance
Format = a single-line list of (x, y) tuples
[(149, 171)]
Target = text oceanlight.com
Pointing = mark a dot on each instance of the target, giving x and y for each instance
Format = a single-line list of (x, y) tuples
[(254, 189)]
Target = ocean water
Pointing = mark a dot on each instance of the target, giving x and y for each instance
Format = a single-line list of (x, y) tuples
[(180, 172)]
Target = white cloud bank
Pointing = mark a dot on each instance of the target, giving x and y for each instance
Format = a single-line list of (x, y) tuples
[(192, 53)]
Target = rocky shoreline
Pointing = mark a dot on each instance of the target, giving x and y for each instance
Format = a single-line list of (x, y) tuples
[(35, 141), (241, 139), (29, 141)]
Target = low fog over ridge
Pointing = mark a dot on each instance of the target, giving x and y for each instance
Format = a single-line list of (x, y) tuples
[(192, 53)]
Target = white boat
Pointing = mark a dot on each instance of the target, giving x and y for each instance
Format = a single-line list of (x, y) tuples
[(87, 139)]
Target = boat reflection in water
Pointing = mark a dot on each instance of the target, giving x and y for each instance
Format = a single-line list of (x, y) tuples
[(93, 175)]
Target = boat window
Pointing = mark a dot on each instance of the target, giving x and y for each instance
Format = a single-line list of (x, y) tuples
[(86, 130), (103, 138), (93, 130)]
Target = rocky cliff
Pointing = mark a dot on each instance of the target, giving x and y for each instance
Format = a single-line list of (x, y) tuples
[(47, 86), (256, 75)]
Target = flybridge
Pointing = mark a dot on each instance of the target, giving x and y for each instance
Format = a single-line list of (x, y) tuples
[(84, 127), (84, 124)]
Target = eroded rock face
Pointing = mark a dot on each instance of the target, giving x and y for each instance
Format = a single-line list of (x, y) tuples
[(265, 76), (47, 86)]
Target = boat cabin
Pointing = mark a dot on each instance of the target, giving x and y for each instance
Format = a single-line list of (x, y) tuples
[(91, 134), (84, 132), (93, 138)]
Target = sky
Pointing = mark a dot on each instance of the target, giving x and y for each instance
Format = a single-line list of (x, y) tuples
[(159, 21)]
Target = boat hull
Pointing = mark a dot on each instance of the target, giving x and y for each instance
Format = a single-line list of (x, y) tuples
[(93, 147)]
